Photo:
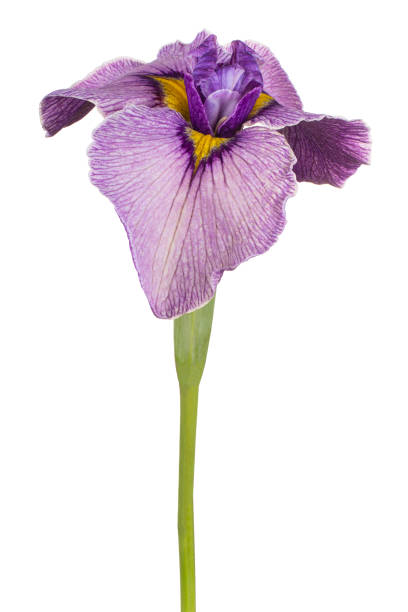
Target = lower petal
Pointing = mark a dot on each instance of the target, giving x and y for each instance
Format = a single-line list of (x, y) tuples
[(329, 150), (190, 216)]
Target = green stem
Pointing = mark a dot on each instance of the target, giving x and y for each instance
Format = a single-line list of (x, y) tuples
[(188, 421), (191, 337)]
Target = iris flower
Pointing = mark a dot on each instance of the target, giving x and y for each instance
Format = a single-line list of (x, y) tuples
[(199, 187), (198, 152)]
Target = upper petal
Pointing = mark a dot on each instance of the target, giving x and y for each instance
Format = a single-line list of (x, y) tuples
[(193, 206), (245, 57), (242, 109), (276, 82), (181, 57), (226, 77), (198, 115), (206, 55)]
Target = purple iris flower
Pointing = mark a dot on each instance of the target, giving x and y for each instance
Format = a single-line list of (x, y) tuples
[(198, 187)]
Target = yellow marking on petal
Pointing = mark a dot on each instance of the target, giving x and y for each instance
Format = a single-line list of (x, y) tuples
[(262, 102), (174, 94), (204, 145)]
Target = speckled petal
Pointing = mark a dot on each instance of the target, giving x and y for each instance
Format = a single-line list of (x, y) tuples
[(189, 220), (329, 150), (276, 82)]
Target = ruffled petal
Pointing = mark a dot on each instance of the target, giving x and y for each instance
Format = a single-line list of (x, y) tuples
[(329, 150), (109, 87), (206, 55), (192, 205), (276, 82), (181, 57), (246, 58)]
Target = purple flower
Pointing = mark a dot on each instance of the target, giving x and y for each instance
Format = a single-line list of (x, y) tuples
[(197, 188)]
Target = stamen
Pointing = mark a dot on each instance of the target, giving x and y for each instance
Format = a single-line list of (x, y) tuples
[(219, 123)]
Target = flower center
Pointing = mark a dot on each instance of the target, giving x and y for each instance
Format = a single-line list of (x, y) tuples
[(224, 92), (220, 105), (216, 99)]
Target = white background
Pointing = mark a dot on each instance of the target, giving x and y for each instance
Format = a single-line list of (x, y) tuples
[(301, 479)]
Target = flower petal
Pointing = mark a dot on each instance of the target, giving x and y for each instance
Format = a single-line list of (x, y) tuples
[(110, 87), (206, 55), (220, 104), (245, 57), (276, 82), (173, 94), (227, 77), (234, 122), (180, 57), (189, 215), (329, 150), (198, 116)]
